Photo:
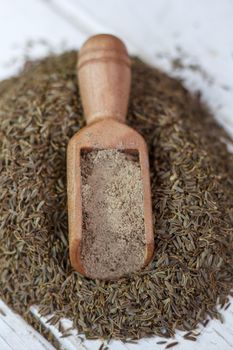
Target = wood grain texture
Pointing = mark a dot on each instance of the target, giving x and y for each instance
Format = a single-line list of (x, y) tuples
[(104, 77), (104, 81), (15, 333), (119, 136)]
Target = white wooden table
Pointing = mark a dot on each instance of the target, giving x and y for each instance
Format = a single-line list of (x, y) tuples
[(155, 31)]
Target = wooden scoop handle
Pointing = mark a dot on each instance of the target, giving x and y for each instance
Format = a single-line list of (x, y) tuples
[(104, 76)]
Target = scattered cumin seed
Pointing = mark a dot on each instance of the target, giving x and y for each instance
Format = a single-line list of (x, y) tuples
[(227, 306), (187, 334), (171, 345), (65, 335), (190, 338), (206, 323), (2, 312)]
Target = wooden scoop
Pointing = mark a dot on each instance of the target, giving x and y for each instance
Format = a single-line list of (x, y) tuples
[(104, 76)]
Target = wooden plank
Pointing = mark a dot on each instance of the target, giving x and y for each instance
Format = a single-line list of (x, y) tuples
[(15, 333)]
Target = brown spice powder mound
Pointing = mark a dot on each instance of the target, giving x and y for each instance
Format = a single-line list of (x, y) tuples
[(113, 220), (192, 189)]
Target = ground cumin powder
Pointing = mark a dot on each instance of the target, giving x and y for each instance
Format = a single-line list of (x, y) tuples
[(192, 190), (113, 217)]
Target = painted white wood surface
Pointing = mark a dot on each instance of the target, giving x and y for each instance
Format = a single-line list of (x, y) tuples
[(157, 31), (15, 333)]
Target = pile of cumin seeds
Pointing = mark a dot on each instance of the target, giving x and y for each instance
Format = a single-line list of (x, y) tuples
[(192, 189)]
